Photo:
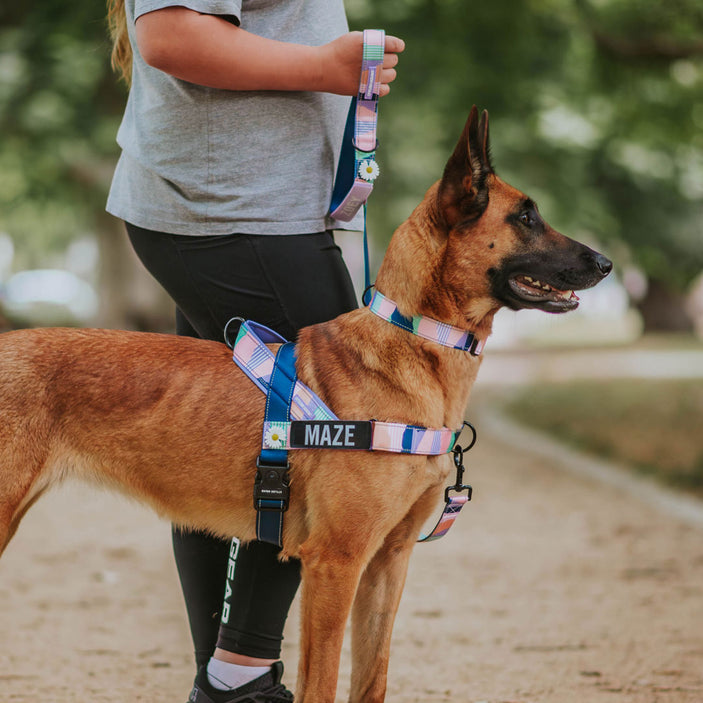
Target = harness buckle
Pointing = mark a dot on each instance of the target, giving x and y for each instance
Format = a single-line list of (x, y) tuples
[(271, 487)]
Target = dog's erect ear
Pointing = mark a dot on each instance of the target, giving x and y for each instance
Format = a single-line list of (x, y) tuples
[(463, 193)]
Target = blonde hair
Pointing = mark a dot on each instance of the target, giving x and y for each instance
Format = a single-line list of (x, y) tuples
[(121, 59)]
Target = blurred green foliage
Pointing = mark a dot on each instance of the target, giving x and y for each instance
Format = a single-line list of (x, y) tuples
[(59, 111), (596, 110)]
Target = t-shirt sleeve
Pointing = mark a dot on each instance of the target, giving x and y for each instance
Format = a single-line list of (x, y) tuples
[(229, 9)]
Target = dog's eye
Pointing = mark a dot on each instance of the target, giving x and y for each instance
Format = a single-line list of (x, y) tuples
[(526, 219)]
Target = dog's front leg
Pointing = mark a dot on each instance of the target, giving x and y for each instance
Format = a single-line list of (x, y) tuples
[(330, 577), (376, 604)]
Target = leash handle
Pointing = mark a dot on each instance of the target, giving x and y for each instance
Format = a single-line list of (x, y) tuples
[(357, 168)]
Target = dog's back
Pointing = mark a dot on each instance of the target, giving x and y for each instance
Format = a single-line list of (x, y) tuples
[(139, 412)]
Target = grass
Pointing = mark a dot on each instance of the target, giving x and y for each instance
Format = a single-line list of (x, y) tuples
[(656, 427)]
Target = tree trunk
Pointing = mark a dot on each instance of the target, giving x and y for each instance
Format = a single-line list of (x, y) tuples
[(664, 309), (129, 297)]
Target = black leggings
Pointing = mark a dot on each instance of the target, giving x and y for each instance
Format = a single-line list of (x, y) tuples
[(284, 282)]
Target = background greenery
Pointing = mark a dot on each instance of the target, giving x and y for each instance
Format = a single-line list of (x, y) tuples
[(596, 110)]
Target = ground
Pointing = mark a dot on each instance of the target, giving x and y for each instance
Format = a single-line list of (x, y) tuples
[(551, 588)]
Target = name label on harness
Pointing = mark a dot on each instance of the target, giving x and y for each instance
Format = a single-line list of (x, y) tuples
[(324, 434)]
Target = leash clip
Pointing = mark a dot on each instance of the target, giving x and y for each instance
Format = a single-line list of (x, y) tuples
[(458, 486), (458, 453), (271, 487)]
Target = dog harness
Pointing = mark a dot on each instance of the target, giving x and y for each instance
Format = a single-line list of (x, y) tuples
[(296, 418)]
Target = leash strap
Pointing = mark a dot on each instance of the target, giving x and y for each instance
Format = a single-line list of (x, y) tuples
[(454, 501), (271, 485), (452, 508), (426, 327), (357, 168)]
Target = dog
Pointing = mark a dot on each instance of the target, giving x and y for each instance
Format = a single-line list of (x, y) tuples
[(173, 422)]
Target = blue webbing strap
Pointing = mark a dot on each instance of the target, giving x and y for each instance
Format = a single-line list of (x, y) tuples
[(271, 488), (346, 175), (346, 168)]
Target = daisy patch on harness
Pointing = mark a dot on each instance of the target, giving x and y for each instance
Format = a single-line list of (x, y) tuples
[(275, 436), (368, 170)]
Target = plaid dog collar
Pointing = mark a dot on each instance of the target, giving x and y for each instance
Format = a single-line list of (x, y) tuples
[(426, 327)]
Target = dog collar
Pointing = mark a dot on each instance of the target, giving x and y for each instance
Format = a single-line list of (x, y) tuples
[(426, 327)]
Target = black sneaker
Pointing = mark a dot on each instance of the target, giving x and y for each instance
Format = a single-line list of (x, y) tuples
[(266, 689)]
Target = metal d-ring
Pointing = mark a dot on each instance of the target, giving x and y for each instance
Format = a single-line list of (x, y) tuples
[(241, 321), (473, 438)]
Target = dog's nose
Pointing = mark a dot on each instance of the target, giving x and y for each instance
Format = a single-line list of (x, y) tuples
[(605, 266)]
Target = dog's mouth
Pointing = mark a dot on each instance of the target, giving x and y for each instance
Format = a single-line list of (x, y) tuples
[(534, 293)]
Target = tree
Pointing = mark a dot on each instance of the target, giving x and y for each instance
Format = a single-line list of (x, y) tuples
[(597, 112), (596, 109), (60, 106)]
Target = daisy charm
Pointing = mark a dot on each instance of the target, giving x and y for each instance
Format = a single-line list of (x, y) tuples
[(368, 170), (275, 437)]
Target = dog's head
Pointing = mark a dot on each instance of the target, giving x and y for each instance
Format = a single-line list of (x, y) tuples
[(499, 250)]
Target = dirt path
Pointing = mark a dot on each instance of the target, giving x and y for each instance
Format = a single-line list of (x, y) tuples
[(550, 589)]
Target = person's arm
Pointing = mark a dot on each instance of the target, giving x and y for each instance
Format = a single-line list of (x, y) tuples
[(210, 51)]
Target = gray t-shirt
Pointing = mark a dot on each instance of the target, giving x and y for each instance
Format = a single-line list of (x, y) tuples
[(202, 161)]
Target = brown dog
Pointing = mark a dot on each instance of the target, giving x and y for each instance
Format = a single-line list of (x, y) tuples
[(174, 422)]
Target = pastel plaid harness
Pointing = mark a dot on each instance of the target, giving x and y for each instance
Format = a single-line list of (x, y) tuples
[(296, 418)]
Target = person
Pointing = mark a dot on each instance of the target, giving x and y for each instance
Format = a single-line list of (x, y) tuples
[(230, 140)]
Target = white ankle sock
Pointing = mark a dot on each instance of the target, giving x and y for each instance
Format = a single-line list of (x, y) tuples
[(225, 676)]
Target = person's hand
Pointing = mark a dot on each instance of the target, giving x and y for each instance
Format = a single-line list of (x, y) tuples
[(340, 63)]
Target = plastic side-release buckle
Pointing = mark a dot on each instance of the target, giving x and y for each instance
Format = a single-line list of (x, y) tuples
[(271, 486)]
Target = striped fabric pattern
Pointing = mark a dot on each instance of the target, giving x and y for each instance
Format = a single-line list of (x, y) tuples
[(451, 511), (426, 327), (369, 89), (256, 360), (359, 143)]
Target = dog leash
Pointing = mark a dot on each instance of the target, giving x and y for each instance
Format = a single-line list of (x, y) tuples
[(296, 418), (357, 168)]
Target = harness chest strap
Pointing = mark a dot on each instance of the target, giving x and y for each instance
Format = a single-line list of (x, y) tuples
[(258, 362)]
